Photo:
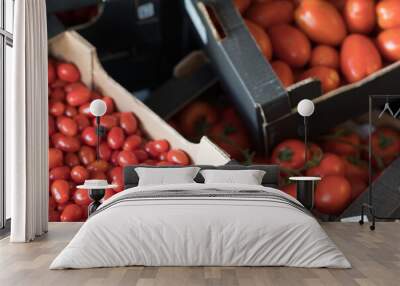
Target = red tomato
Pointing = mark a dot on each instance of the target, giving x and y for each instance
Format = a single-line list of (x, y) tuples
[(267, 14), (358, 186), (104, 151), (120, 183), (355, 168), (95, 95), (115, 173), (68, 72), (388, 12), (85, 110), (96, 175), (57, 94), (58, 83), (59, 173), (126, 158), (60, 191), (51, 73), (71, 160), (82, 121), (360, 15), (165, 163), (115, 138), (321, 22), (162, 156), (52, 125), (98, 166), (325, 56), (56, 158), (73, 86), (151, 150), (54, 216), (290, 45), (107, 121), (197, 117), (345, 144), (108, 194), (81, 197), (284, 72), (133, 142), (289, 154), (114, 157), (142, 156), (178, 157), (242, 5), (71, 212), (359, 58), (290, 190), (330, 164), (87, 155), (52, 203), (261, 38), (339, 4), (109, 103), (67, 143), (89, 136), (389, 43), (56, 108), (386, 144), (150, 163), (67, 126), (328, 77), (128, 122), (78, 96), (70, 111), (332, 195), (79, 174), (161, 145)]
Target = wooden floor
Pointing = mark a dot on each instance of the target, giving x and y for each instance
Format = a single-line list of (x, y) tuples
[(375, 257)]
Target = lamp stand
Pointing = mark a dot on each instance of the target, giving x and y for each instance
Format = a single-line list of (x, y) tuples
[(305, 140), (100, 132)]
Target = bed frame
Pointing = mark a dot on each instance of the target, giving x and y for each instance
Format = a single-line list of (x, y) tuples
[(271, 177)]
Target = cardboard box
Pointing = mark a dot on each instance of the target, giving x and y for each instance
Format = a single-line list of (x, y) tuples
[(70, 46), (269, 108), (192, 77), (386, 188)]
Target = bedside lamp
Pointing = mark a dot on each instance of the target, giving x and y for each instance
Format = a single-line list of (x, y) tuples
[(98, 108), (305, 108), (305, 185)]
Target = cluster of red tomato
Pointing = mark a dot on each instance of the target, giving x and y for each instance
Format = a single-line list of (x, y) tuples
[(336, 41), (341, 161), (72, 141), (222, 125)]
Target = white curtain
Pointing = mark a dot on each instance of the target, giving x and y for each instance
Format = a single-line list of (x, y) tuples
[(26, 123)]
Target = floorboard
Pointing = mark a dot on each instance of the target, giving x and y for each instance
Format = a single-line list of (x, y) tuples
[(375, 257)]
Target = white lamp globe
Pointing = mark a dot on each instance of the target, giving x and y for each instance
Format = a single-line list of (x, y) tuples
[(305, 107), (98, 107)]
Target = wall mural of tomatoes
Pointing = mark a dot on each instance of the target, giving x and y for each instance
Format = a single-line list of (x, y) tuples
[(337, 41), (72, 141)]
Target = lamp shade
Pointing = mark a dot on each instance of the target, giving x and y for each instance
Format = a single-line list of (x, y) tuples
[(305, 107), (98, 107)]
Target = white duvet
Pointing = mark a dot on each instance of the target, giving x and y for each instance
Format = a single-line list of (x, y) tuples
[(200, 231)]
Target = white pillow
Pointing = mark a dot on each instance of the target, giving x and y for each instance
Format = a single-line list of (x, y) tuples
[(246, 177), (163, 176)]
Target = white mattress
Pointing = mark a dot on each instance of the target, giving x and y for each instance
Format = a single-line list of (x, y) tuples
[(202, 231)]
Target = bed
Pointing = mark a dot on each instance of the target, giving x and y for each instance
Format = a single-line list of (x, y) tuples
[(199, 224)]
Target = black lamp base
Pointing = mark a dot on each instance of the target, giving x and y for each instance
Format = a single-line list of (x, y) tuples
[(96, 195)]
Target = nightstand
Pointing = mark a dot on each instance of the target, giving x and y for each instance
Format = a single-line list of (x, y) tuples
[(97, 190), (305, 190)]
